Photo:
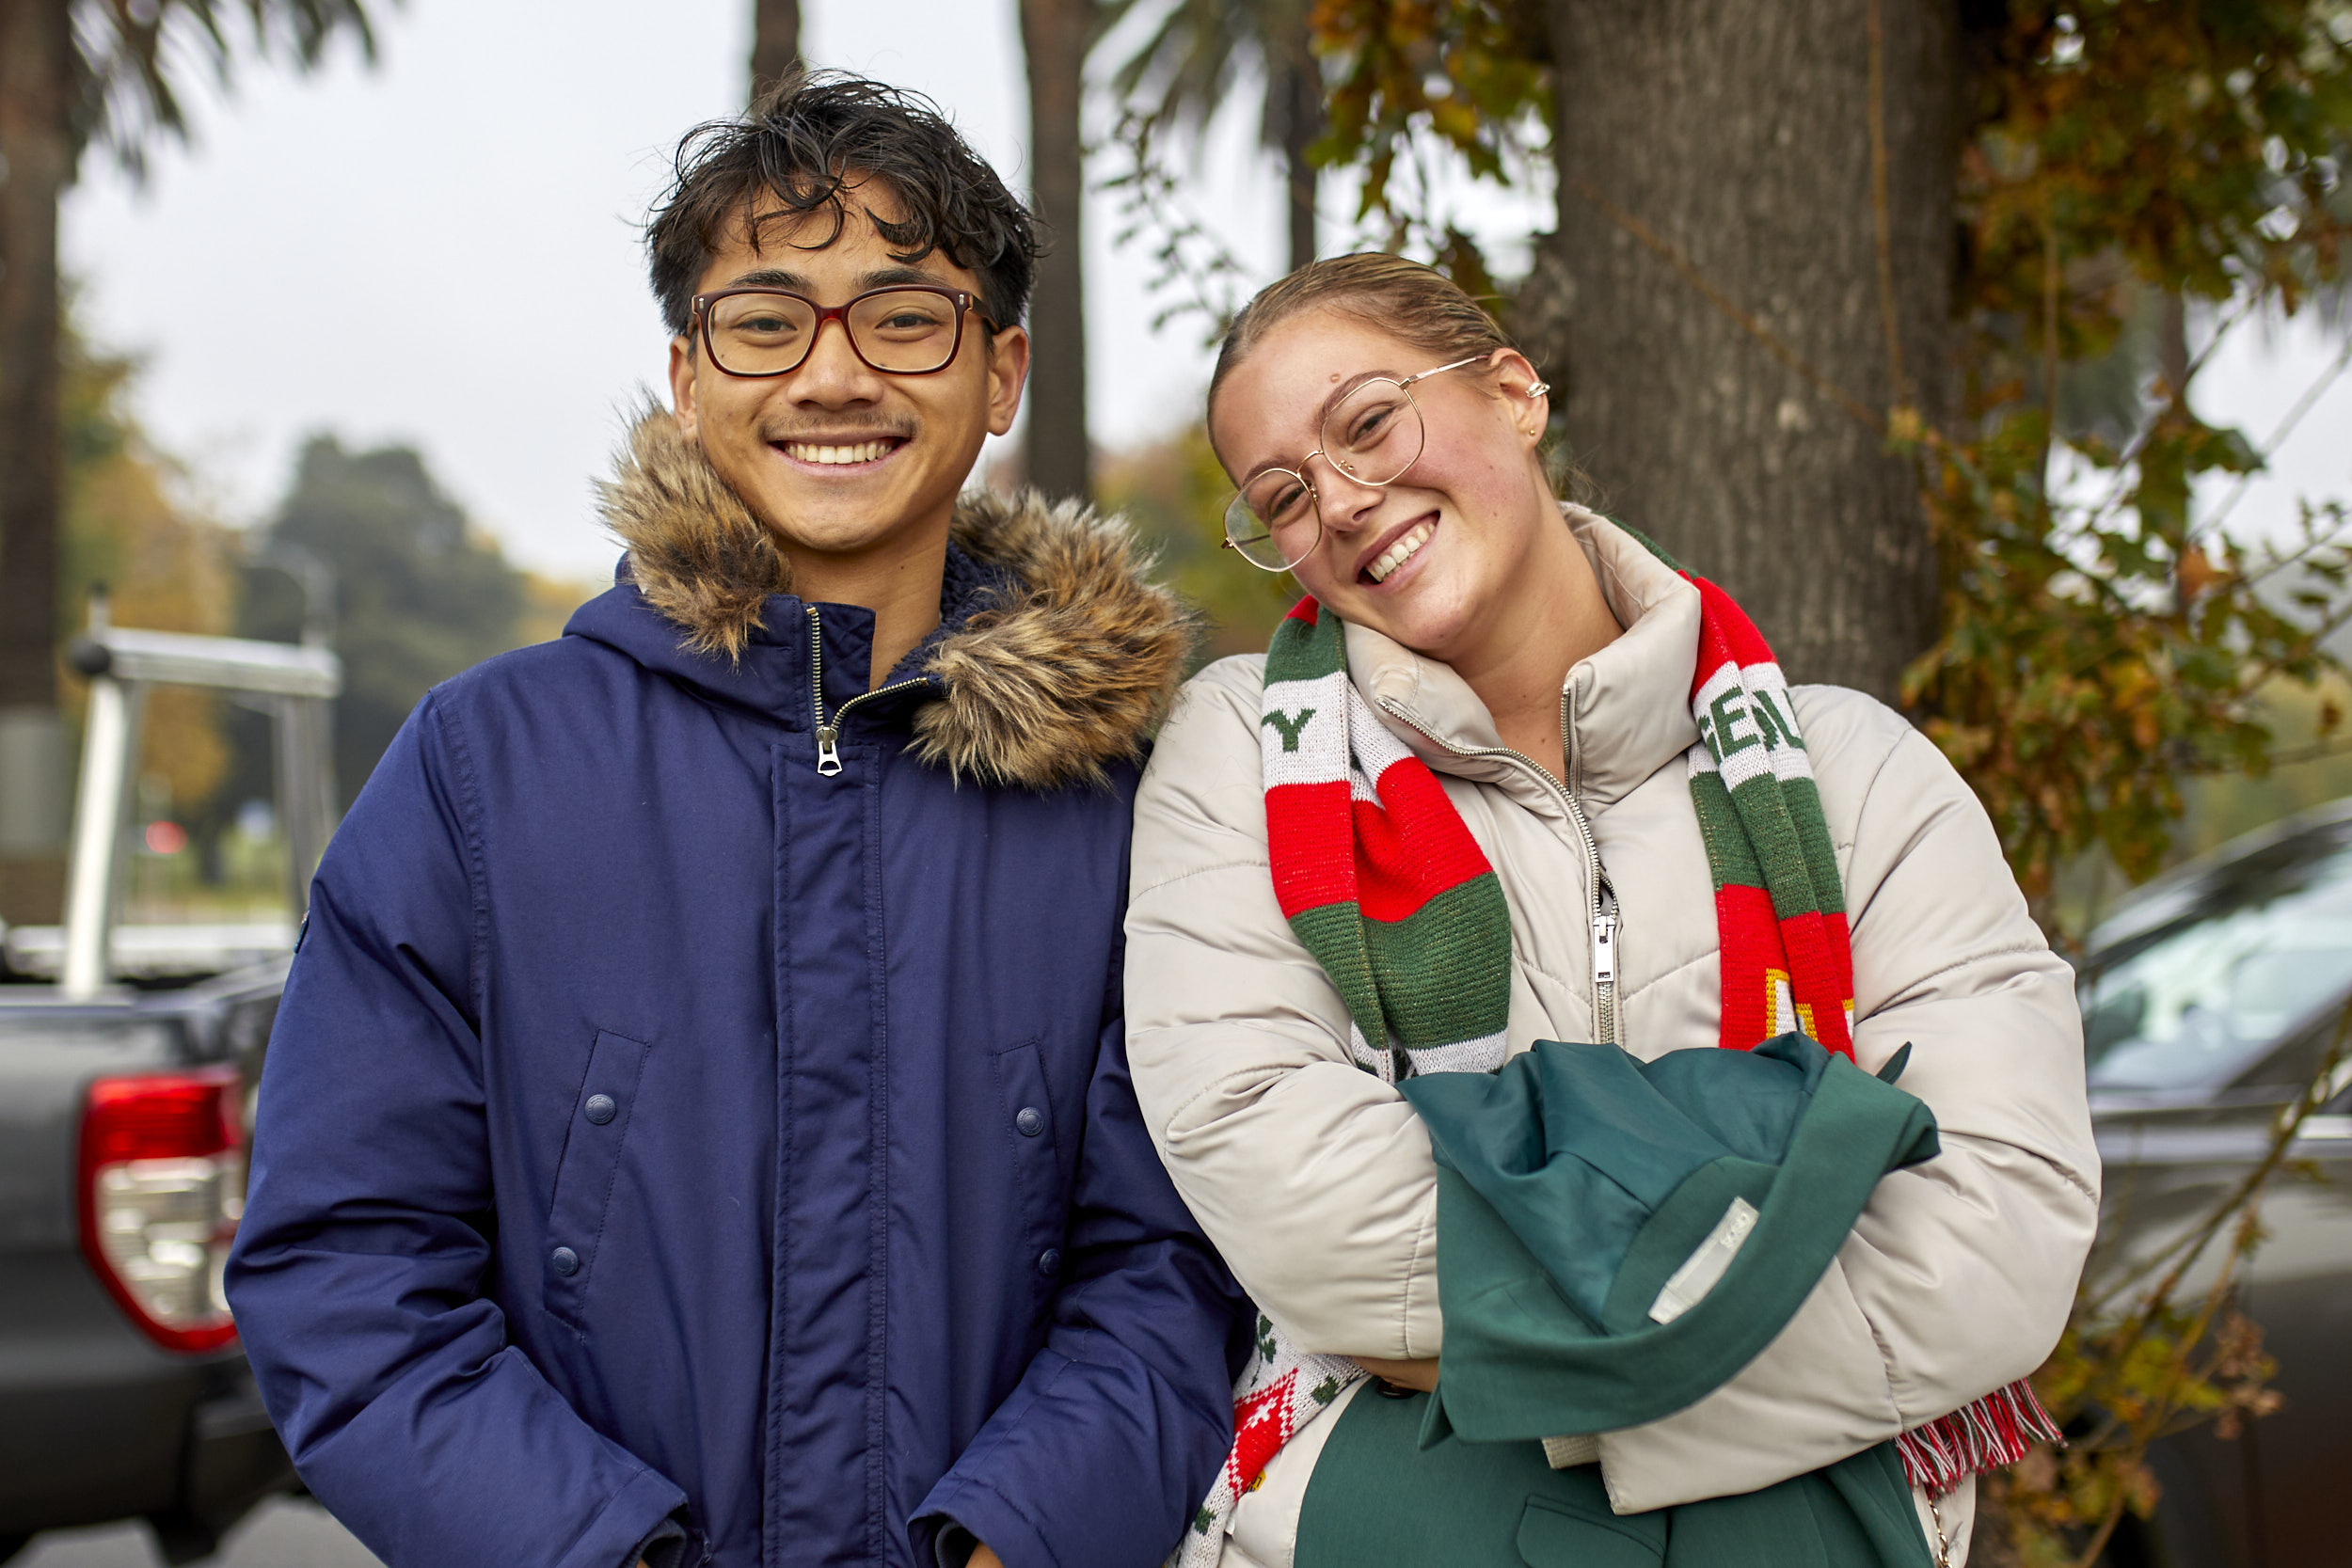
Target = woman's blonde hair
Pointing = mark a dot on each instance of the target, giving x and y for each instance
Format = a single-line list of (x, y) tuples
[(1405, 299)]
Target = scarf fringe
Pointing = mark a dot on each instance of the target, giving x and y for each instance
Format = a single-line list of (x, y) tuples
[(1996, 1430)]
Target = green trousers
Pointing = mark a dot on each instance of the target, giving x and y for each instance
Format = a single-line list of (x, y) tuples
[(1380, 1500)]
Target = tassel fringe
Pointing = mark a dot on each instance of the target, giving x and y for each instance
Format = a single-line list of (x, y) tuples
[(1993, 1430)]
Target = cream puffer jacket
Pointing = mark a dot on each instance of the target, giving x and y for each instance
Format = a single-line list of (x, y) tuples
[(1315, 1178)]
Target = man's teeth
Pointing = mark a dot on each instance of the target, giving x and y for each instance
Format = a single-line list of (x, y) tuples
[(1399, 553), (865, 451)]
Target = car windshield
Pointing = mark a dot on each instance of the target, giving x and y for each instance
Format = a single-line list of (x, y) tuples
[(2263, 940)]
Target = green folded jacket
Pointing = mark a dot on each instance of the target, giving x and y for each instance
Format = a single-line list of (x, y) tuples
[(1618, 1238)]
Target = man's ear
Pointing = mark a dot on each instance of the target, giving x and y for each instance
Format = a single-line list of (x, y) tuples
[(682, 385), (1008, 372)]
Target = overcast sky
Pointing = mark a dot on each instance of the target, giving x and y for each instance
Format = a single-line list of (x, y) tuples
[(351, 252)]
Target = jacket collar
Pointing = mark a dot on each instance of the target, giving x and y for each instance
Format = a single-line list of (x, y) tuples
[(1629, 706), (1054, 654)]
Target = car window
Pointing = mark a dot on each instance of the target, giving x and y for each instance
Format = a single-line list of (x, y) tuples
[(2265, 941)]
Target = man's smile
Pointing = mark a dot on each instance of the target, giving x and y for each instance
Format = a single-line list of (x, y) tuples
[(863, 452)]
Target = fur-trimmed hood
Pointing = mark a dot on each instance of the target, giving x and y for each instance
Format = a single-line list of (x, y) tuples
[(1063, 659)]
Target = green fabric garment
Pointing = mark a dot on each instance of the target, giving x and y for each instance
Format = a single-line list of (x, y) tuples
[(1575, 1184), (1380, 1500)]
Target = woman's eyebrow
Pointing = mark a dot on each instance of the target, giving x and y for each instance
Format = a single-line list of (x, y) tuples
[(1323, 413)]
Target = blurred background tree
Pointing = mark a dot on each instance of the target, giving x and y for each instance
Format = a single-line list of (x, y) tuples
[(73, 72), (416, 594), (1192, 62), (1056, 36), (419, 594), (775, 42)]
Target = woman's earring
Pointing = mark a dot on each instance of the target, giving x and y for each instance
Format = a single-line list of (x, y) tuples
[(1539, 389)]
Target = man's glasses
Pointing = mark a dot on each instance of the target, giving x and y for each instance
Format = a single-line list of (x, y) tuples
[(1373, 436), (910, 330)]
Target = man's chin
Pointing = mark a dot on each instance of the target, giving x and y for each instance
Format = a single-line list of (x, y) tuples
[(840, 524)]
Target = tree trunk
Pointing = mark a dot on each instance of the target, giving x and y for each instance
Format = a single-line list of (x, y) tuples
[(37, 144), (775, 42), (1294, 118), (1739, 136), (1054, 34)]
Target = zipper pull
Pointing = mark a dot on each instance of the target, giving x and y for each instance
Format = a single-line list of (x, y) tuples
[(1605, 948), (828, 755)]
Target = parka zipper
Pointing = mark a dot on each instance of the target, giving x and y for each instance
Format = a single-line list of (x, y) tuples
[(829, 733), (1601, 902)]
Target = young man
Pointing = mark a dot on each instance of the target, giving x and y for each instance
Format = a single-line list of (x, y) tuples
[(698, 1126)]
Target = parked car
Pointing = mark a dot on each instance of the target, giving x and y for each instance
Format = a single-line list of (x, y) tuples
[(126, 1060), (2209, 1000)]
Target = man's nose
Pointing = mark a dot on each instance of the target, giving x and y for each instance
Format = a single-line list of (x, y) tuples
[(833, 374)]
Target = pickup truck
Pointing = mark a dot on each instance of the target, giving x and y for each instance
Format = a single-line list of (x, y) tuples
[(127, 1059)]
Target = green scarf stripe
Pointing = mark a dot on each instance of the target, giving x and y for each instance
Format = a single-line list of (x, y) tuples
[(1445, 968), (1334, 933), (1300, 652), (1763, 806), (1820, 856), (1730, 859)]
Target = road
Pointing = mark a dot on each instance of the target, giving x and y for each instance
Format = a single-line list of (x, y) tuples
[(281, 1533)]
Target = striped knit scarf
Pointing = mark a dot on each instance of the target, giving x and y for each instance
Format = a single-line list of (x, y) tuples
[(1381, 879)]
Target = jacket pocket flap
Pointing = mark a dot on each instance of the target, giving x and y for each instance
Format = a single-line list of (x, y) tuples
[(1555, 1535)]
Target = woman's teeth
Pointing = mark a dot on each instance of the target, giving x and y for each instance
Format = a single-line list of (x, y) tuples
[(1399, 553), (865, 451)]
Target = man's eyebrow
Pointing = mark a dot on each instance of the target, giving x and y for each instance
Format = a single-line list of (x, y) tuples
[(1323, 413), (771, 278), (880, 277)]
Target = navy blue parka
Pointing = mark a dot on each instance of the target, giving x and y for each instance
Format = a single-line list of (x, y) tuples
[(668, 1142)]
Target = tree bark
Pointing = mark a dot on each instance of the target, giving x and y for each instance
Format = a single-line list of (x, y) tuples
[(1056, 33), (36, 140), (38, 145), (1294, 118), (775, 42), (1739, 136)]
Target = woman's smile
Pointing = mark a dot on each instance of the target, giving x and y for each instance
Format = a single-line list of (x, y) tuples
[(1399, 545)]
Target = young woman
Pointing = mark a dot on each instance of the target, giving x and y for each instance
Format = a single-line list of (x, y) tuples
[(1474, 655)]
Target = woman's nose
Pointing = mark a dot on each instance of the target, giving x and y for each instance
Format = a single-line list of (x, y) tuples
[(1342, 501)]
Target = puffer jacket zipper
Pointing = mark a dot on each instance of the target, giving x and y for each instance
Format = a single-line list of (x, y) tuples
[(829, 735), (1600, 898)]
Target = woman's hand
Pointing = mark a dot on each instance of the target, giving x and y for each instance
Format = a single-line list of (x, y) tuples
[(1405, 1374)]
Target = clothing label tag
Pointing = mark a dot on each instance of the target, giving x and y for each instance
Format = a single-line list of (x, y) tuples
[(1703, 1268)]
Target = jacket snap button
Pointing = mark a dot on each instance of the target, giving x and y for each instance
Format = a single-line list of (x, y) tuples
[(1030, 1120), (563, 1260), (601, 1109), (1049, 1262)]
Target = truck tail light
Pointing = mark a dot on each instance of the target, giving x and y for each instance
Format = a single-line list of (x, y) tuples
[(161, 1186)]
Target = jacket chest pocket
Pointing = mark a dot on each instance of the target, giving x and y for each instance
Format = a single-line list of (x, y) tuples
[(591, 1164), (1028, 1120)]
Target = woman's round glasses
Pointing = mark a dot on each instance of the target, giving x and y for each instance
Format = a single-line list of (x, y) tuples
[(1373, 436), (912, 330)]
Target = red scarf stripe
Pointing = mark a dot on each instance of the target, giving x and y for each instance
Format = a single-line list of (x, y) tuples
[(1725, 634), (1819, 978), (1314, 854), (1415, 849), (1752, 950)]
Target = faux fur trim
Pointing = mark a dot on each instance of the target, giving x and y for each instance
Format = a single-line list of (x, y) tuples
[(1070, 668)]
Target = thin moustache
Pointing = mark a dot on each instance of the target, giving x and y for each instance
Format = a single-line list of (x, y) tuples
[(837, 436)]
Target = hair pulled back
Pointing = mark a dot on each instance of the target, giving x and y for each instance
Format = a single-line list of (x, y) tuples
[(1406, 300)]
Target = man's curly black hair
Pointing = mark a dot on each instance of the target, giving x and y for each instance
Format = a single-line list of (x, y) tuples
[(801, 143)]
